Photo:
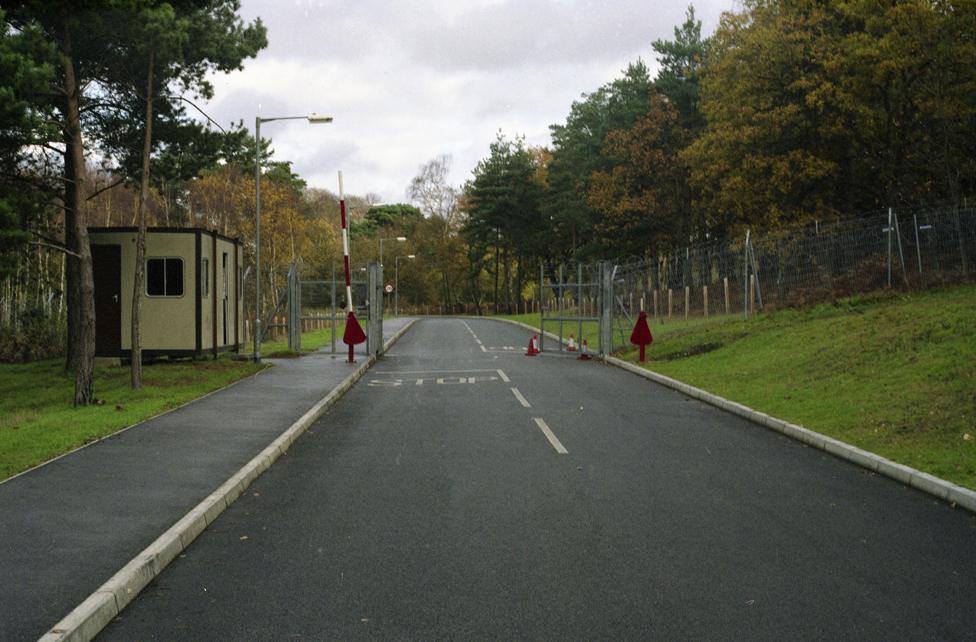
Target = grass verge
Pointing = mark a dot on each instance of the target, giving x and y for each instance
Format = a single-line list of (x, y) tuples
[(890, 373), (312, 340), (37, 421)]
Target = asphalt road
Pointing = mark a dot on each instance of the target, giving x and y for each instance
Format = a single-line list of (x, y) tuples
[(464, 491)]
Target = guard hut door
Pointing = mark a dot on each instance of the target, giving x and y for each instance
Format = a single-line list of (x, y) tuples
[(107, 272)]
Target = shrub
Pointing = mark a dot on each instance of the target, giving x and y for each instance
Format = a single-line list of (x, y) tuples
[(35, 336)]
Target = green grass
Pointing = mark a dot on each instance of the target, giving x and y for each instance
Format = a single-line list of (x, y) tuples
[(38, 422), (311, 341), (892, 374)]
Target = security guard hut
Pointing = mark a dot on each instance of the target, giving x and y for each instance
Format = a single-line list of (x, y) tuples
[(192, 299)]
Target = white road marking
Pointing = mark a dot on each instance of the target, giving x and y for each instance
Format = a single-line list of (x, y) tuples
[(385, 383), (395, 372), (393, 383), (550, 436), (522, 400), (476, 339), (451, 380), (502, 375)]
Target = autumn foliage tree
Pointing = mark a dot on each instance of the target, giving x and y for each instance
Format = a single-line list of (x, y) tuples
[(819, 108), (644, 197)]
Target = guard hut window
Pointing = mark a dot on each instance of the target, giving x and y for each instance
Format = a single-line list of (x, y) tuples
[(164, 277), (205, 278)]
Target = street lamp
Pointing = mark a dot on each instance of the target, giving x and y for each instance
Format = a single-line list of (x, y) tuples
[(314, 119), (396, 282), (401, 239)]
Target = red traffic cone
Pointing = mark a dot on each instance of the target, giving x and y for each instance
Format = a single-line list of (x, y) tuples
[(532, 351), (572, 344), (585, 354)]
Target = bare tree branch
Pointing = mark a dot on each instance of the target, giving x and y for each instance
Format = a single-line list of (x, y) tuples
[(59, 248), (106, 188)]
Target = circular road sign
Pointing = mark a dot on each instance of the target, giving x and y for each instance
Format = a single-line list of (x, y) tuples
[(388, 288)]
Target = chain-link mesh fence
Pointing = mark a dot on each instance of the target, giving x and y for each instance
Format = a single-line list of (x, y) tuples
[(798, 266), (323, 305)]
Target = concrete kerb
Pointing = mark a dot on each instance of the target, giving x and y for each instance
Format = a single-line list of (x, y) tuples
[(940, 488), (86, 620)]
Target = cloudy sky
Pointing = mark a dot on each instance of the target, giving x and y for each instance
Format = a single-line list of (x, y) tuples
[(408, 81)]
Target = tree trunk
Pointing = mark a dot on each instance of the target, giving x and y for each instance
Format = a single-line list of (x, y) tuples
[(518, 282), (508, 283), (140, 275), (82, 348), (496, 272), (71, 262)]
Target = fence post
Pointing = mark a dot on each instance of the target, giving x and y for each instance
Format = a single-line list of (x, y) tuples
[(606, 308), (561, 310), (752, 293), (670, 293), (687, 299), (542, 304), (725, 281), (294, 309), (655, 304), (755, 274), (705, 299), (745, 277), (580, 307), (374, 339), (901, 255), (888, 231), (962, 245), (918, 247)]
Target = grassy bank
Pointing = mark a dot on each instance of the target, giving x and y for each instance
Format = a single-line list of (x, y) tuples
[(893, 374), (37, 421)]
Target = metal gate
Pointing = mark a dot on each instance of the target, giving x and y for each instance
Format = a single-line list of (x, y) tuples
[(571, 301), (320, 303)]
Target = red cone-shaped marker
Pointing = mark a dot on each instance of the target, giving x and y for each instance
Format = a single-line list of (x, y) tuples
[(641, 336), (532, 351), (353, 334)]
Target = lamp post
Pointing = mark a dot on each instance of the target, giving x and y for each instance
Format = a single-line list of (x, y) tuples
[(396, 283), (313, 118), (401, 239)]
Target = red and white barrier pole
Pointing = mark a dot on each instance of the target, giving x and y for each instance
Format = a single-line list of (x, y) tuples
[(345, 244), (353, 334)]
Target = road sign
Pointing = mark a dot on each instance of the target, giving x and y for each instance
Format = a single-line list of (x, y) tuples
[(388, 288)]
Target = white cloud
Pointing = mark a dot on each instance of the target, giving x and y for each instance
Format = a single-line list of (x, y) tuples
[(409, 81)]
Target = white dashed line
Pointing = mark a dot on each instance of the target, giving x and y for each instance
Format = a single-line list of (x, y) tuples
[(503, 376), (522, 400), (556, 444)]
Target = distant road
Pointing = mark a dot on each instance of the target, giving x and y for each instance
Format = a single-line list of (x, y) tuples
[(464, 491)]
